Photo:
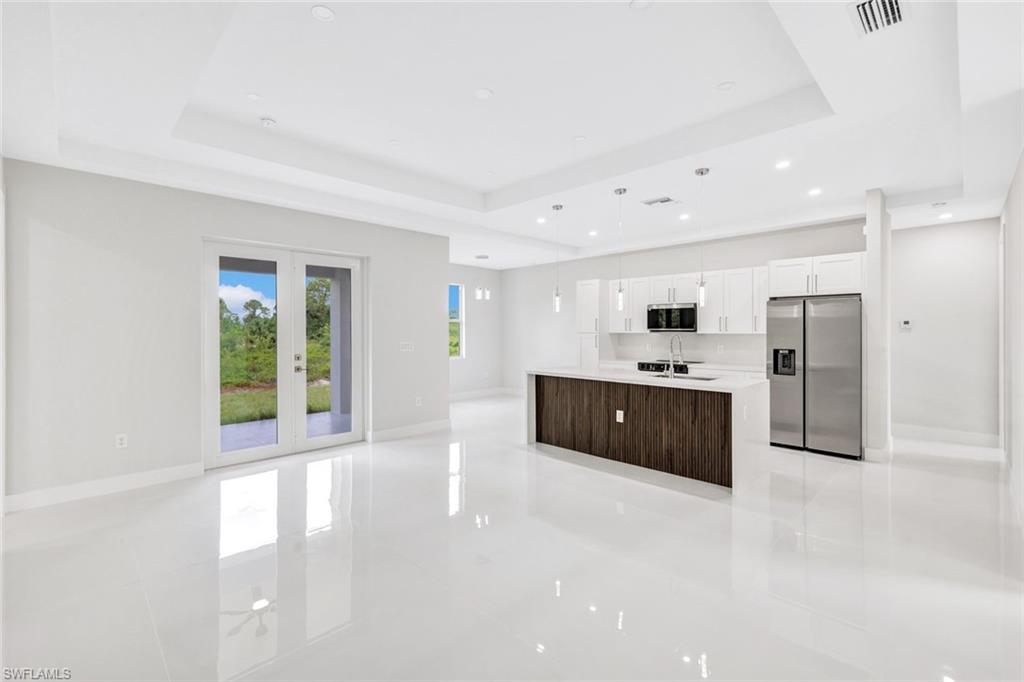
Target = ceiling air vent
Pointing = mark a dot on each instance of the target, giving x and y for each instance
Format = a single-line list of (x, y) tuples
[(660, 201), (874, 15)]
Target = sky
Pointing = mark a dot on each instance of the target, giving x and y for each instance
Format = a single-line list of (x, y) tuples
[(238, 287), (453, 298)]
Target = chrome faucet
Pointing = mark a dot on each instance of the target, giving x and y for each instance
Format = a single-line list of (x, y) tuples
[(672, 354)]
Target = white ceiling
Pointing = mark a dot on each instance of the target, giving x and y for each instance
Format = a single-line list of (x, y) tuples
[(377, 117)]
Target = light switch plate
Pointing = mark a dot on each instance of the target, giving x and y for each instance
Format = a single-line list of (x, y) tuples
[(906, 325), (620, 416)]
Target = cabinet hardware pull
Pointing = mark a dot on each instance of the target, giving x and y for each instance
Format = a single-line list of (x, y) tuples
[(807, 286), (595, 324), (815, 283), (595, 342)]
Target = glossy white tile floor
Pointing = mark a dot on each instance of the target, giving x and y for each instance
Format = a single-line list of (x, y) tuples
[(469, 555)]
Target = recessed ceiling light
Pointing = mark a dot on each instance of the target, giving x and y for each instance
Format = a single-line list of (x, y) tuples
[(640, 4), (268, 122), (592, 233), (541, 220), (260, 604), (945, 216), (393, 141), (580, 138), (484, 93), (322, 13), (255, 96), (726, 85), (481, 256), (782, 165), (684, 216), (816, 191)]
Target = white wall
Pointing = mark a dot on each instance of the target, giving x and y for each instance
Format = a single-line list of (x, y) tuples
[(946, 367), (480, 369), (1013, 398), (537, 337), (105, 331)]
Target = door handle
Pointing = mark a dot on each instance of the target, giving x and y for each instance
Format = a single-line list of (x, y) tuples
[(299, 369)]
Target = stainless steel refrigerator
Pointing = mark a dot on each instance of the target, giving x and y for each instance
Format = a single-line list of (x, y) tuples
[(814, 366)]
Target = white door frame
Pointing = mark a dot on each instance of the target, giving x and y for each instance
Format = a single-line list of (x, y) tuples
[(288, 437)]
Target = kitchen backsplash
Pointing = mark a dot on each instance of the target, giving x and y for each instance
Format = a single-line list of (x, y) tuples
[(739, 349)]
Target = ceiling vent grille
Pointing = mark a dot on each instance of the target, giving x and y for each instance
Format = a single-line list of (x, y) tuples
[(874, 15), (660, 201)]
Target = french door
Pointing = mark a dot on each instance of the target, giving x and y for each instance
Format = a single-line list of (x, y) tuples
[(283, 352)]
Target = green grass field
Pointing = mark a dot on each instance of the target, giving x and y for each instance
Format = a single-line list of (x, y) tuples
[(261, 403)]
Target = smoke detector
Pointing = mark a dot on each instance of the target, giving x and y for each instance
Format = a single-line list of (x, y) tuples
[(872, 16)]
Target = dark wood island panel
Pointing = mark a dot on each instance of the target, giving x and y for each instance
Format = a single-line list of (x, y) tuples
[(675, 430)]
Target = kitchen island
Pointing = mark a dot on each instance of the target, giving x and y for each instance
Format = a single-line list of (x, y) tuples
[(688, 426)]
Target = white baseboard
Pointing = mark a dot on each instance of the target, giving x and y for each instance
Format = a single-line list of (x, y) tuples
[(937, 435), (933, 448), (45, 497), (484, 393), (877, 454), (407, 431)]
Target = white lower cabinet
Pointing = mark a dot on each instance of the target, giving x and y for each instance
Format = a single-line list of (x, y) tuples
[(588, 356)]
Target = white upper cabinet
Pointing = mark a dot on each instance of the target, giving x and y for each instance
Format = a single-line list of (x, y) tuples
[(618, 320), (639, 297), (760, 299), (588, 296), (661, 289), (710, 315), (838, 273), (790, 277), (684, 287), (738, 301)]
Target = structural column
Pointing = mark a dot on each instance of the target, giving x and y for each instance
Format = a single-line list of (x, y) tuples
[(877, 328)]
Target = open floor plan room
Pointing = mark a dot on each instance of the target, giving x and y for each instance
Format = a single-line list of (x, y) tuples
[(620, 340)]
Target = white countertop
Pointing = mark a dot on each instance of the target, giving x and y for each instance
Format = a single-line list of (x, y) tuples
[(723, 384)]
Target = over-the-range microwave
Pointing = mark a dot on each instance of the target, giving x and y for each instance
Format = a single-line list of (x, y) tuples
[(672, 317)]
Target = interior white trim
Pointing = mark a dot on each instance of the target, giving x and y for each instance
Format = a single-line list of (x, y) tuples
[(978, 453), (406, 431), (912, 432), (45, 497)]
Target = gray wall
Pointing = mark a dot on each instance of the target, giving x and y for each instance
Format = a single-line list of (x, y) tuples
[(104, 334), (537, 337), (480, 369), (946, 367)]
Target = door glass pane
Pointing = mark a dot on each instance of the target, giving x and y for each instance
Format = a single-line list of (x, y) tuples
[(328, 350), (248, 353)]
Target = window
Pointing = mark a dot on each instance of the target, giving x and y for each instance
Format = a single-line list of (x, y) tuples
[(456, 323)]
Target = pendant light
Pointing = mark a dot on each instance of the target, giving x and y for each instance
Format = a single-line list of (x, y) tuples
[(556, 298), (701, 285), (620, 295)]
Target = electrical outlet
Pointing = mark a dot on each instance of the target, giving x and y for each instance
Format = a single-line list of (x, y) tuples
[(648, 348), (419, 401), (620, 416), (721, 348), (406, 346), (121, 441)]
